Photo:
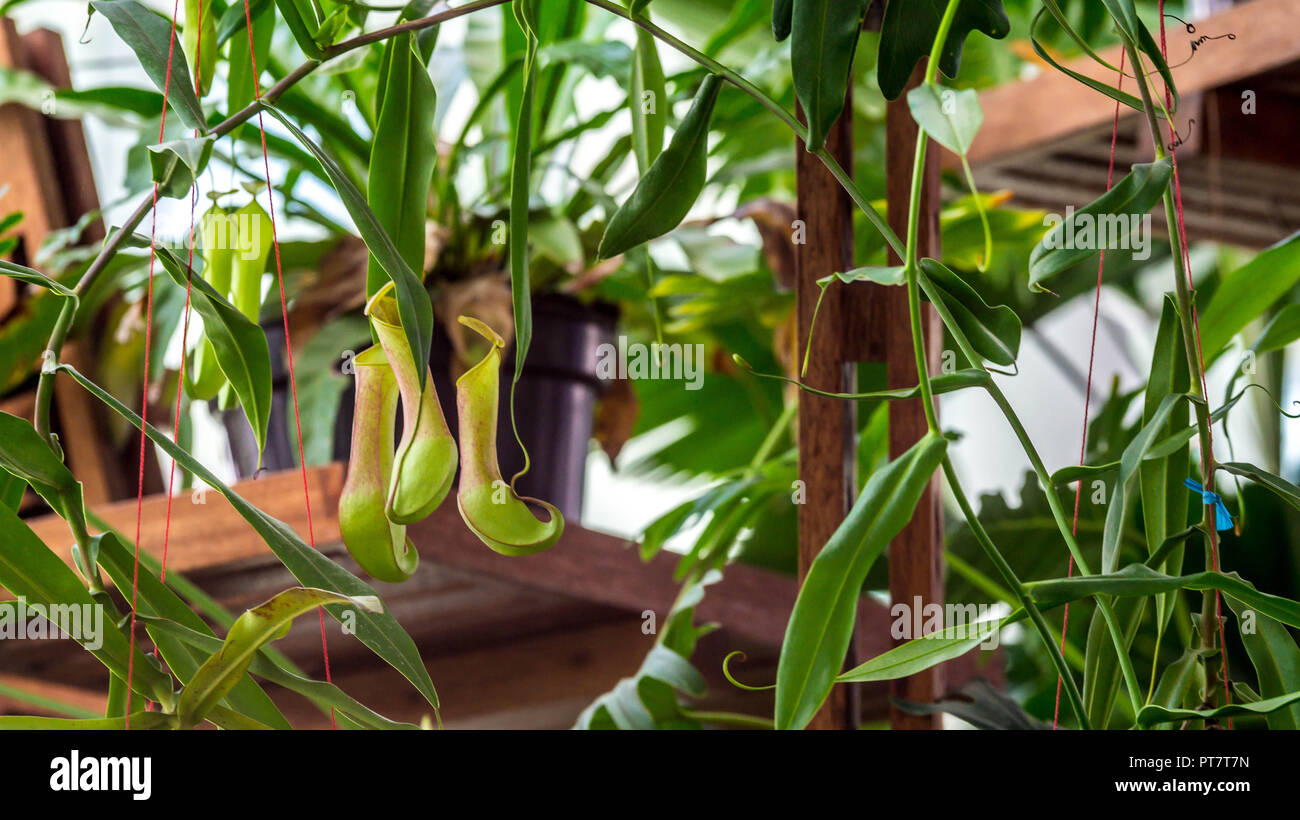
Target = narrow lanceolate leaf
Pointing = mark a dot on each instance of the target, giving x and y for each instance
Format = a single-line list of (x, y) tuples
[(1117, 507), (138, 721), (1284, 489), (667, 191), (909, 29), (1276, 659), (31, 571), (951, 118), (413, 303), (1182, 681), (1160, 479), (520, 177), (240, 345), (253, 629), (149, 35), (824, 37), (1096, 85), (1140, 580), (1151, 715), (782, 18), (241, 86), (1131, 27), (322, 693), (926, 651), (377, 630), (402, 155), (153, 598), (24, 454), (821, 624), (177, 163), (34, 277), (994, 332), (1113, 218), (300, 17), (648, 100), (1247, 292)]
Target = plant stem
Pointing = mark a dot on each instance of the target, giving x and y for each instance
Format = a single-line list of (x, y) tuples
[(1009, 577), (1209, 615), (1053, 502)]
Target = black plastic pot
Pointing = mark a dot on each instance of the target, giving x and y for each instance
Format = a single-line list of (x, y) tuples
[(556, 402)]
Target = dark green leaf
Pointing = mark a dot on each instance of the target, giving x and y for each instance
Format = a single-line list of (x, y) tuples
[(402, 155), (253, 629), (1141, 580), (31, 571), (1276, 659), (910, 28), (824, 37), (1153, 714), (782, 18), (667, 191), (821, 624), (149, 35), (379, 631), (177, 163), (1247, 292), (300, 17), (1112, 214), (994, 332)]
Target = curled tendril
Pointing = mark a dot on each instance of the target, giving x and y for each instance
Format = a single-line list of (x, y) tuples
[(726, 671)]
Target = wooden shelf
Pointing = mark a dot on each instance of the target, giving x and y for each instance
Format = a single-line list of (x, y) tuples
[(509, 642), (1047, 139)]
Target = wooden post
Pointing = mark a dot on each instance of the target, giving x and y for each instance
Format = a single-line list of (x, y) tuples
[(827, 427), (916, 556)]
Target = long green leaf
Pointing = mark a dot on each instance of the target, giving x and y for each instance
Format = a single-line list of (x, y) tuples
[(1131, 197), (377, 630), (667, 191), (1247, 292), (1153, 714), (821, 624), (153, 598), (30, 570), (300, 17), (139, 720), (149, 35), (402, 155), (1284, 489), (413, 303), (910, 28), (1276, 659), (921, 653), (823, 38), (994, 332), (262, 665), (259, 625), (1141, 580)]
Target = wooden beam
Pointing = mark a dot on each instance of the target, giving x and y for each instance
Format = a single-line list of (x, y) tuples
[(28, 170), (916, 555), (207, 533), (827, 427), (1052, 105)]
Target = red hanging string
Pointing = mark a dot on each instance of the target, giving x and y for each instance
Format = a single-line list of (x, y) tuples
[(1087, 392), (1196, 325), (144, 391), (185, 330), (288, 344)]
